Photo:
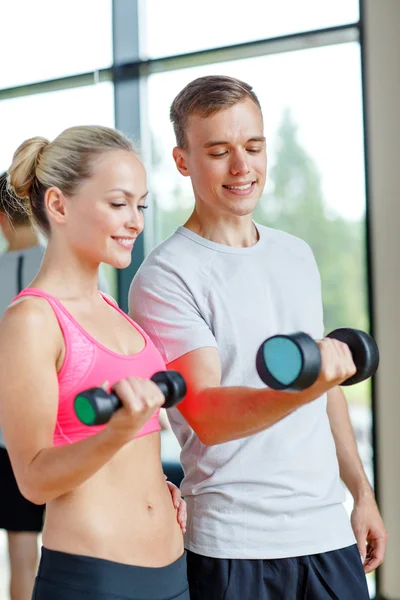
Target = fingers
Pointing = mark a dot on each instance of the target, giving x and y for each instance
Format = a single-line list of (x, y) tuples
[(140, 398), (375, 554), (337, 363), (139, 395), (182, 515), (362, 548), (175, 493), (370, 533), (361, 539), (179, 504)]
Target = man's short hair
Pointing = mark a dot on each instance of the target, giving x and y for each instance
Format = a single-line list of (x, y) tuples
[(206, 96)]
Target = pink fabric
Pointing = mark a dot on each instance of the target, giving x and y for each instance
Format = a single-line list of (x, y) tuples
[(88, 364)]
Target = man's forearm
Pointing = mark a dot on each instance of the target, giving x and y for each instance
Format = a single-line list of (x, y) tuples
[(222, 414), (351, 468)]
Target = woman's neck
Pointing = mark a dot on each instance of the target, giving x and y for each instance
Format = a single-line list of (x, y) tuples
[(66, 275)]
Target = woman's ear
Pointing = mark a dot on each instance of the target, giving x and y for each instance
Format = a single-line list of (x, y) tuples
[(55, 203)]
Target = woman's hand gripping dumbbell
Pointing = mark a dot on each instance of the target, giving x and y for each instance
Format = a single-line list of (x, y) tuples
[(293, 362), (96, 406)]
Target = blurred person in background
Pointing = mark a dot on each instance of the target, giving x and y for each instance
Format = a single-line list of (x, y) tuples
[(21, 519)]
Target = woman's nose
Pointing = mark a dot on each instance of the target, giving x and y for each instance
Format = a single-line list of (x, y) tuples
[(135, 222)]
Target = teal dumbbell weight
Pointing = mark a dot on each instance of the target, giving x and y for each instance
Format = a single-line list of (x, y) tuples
[(293, 362)]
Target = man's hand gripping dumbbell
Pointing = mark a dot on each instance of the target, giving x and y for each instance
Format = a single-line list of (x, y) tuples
[(295, 362)]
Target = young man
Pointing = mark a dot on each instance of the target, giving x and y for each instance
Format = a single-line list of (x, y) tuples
[(262, 468)]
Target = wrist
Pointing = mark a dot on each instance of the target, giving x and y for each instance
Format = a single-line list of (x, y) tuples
[(363, 494), (114, 438)]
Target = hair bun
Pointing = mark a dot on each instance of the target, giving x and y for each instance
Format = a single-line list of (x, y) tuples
[(23, 169)]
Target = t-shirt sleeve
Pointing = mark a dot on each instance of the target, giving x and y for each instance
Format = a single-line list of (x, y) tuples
[(161, 302)]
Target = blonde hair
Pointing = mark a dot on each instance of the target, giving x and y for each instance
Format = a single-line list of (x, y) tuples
[(39, 164)]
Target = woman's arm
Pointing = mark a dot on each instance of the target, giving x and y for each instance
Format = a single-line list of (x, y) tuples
[(30, 343)]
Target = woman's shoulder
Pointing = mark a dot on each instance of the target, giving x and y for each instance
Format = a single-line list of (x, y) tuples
[(29, 316)]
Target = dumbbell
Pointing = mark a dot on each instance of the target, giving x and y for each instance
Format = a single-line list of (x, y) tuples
[(293, 362), (95, 406)]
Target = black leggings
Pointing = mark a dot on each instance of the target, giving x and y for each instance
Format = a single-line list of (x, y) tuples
[(64, 576)]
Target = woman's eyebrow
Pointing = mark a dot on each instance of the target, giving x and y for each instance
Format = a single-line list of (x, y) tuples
[(127, 193)]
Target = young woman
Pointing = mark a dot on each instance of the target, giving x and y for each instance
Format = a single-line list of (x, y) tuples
[(111, 530)]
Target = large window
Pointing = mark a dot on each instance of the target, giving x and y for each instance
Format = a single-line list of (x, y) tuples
[(47, 114), (45, 39), (177, 27)]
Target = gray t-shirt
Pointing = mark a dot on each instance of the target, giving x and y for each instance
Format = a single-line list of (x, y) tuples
[(277, 493)]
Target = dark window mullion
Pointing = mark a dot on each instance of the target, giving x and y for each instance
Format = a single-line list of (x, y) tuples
[(127, 108)]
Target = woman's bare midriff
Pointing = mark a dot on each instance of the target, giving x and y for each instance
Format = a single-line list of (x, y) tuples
[(123, 513)]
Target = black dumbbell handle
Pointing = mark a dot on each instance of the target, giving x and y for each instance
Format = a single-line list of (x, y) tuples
[(115, 402), (364, 351), (95, 406)]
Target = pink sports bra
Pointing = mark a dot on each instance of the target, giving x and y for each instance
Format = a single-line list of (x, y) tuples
[(88, 364)]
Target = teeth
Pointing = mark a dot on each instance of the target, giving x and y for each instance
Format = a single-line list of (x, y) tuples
[(239, 187), (125, 241)]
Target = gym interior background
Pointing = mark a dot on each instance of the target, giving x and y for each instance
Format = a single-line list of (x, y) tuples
[(328, 79)]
